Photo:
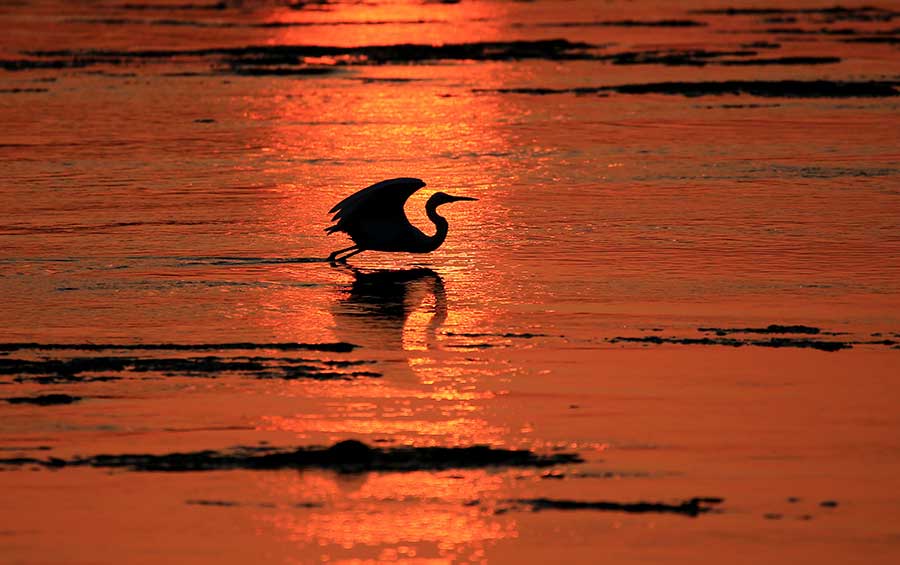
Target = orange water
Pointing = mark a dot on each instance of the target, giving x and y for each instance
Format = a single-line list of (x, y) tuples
[(126, 220)]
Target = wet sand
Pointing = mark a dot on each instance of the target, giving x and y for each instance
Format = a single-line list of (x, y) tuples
[(667, 331)]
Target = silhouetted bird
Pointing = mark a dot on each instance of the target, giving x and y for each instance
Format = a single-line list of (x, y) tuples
[(375, 221)]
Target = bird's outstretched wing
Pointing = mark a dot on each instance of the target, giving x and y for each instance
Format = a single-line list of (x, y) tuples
[(382, 201)]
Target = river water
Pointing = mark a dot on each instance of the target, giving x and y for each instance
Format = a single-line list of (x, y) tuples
[(672, 315)]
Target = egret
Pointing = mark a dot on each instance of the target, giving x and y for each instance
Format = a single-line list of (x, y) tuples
[(375, 221)]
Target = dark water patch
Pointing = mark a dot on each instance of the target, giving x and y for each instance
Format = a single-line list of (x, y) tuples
[(64, 379), (702, 58), (190, 74), (472, 346), (759, 88), (819, 172), (806, 31), (282, 71), (47, 371), (829, 504), (886, 39), (541, 91), (335, 347), (831, 14), (45, 399), (204, 121), (776, 342), (220, 503), (556, 474), (767, 88), (770, 329), (738, 106), (348, 456), (761, 45), (110, 74), (692, 507), (780, 20), (510, 335), (613, 475), (214, 6), (784, 61), (244, 25), (22, 90), (672, 57), (31, 64), (269, 55), (622, 23), (386, 80), (312, 5), (888, 342)]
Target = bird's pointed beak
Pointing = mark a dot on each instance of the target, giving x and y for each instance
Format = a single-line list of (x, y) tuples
[(459, 198)]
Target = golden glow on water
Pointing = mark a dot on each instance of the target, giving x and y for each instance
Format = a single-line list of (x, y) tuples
[(423, 512), (158, 200)]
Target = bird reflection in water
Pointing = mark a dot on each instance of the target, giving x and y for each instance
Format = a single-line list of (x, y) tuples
[(393, 309)]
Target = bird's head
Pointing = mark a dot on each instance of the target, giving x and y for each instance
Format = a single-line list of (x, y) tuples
[(439, 198)]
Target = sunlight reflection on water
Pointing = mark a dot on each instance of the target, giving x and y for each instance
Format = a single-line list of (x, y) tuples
[(177, 200)]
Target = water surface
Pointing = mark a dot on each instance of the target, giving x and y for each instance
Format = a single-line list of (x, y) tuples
[(683, 177)]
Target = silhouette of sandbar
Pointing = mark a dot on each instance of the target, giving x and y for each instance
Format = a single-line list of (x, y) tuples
[(348, 456), (692, 507)]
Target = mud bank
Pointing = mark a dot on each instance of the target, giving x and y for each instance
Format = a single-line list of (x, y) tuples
[(86, 369), (692, 507), (348, 456), (758, 88)]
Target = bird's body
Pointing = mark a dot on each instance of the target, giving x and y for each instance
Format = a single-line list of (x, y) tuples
[(375, 221)]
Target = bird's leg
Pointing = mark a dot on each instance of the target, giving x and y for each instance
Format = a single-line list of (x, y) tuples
[(348, 255), (333, 257)]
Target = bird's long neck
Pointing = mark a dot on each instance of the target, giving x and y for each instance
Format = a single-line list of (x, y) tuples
[(440, 223)]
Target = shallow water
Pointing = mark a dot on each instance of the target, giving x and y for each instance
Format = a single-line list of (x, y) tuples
[(656, 189)]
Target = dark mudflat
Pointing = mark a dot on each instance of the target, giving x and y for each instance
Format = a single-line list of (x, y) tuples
[(45, 399), (347, 457), (626, 23), (759, 88), (802, 343), (692, 507), (48, 371), (770, 329), (508, 335), (831, 14), (552, 49)]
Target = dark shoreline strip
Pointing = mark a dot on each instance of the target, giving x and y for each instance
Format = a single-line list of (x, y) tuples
[(243, 25), (770, 329), (161, 6), (692, 507), (776, 342), (833, 11), (405, 52), (52, 371), (348, 456), (759, 88), (622, 23), (44, 399), (334, 347)]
